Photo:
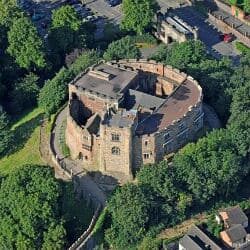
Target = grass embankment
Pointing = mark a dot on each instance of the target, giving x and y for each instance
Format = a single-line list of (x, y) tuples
[(241, 47), (26, 139)]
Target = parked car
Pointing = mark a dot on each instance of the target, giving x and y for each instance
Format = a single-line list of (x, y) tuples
[(72, 2), (113, 3)]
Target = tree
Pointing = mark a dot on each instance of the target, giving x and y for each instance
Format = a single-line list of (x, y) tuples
[(9, 11), (86, 59), (66, 32), (130, 210), (211, 167), (181, 55), (121, 49), (25, 93), (5, 133), (138, 14), (247, 6), (160, 178), (54, 92), (25, 45), (29, 210), (65, 16)]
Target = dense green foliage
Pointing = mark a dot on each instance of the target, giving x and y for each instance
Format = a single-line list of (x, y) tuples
[(181, 55), (67, 31), (25, 45), (211, 167), (138, 14), (130, 222), (9, 11), (54, 91), (121, 49), (5, 133), (242, 47), (25, 92), (29, 210)]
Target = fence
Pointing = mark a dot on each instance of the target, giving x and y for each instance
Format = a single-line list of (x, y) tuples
[(84, 238)]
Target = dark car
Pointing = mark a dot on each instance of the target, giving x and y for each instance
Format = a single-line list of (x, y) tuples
[(113, 3)]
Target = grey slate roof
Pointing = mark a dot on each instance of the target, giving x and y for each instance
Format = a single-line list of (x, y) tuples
[(236, 232), (119, 80), (197, 240), (121, 119), (188, 243), (136, 98), (235, 216)]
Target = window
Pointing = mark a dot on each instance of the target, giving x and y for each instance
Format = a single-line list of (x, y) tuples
[(115, 137), (86, 147), (181, 126), (146, 156), (115, 151), (183, 136), (166, 136), (146, 143), (85, 137), (168, 147)]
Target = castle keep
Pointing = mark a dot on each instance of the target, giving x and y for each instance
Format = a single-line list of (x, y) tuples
[(123, 114)]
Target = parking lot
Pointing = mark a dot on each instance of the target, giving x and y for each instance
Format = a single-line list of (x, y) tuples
[(93, 10), (208, 33)]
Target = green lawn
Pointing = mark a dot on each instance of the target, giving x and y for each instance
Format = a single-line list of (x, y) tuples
[(26, 149)]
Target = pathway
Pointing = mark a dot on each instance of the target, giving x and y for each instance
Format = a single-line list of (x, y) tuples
[(84, 182)]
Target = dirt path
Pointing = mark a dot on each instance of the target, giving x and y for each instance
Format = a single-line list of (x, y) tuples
[(45, 153), (182, 228)]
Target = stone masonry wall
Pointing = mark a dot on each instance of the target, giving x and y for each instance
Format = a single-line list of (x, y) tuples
[(121, 163), (134, 150)]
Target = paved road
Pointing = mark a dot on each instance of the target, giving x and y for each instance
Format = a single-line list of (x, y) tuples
[(86, 185), (101, 8), (207, 33)]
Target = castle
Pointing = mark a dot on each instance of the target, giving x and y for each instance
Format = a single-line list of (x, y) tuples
[(123, 114)]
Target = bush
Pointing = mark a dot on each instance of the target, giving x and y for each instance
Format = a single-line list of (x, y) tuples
[(144, 38), (242, 47), (54, 92)]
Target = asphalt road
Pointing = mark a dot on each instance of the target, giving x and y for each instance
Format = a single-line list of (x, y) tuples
[(100, 7)]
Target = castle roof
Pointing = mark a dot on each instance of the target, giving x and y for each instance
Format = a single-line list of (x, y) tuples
[(135, 99), (106, 80), (173, 109)]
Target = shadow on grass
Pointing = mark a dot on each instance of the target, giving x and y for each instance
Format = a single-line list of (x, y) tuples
[(22, 134)]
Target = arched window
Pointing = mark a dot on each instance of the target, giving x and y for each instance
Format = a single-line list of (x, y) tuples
[(115, 151)]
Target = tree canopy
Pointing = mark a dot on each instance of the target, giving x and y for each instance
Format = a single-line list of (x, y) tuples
[(25, 92), (67, 31), (29, 210), (5, 133), (129, 208), (121, 49), (138, 14), (9, 11), (25, 45)]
